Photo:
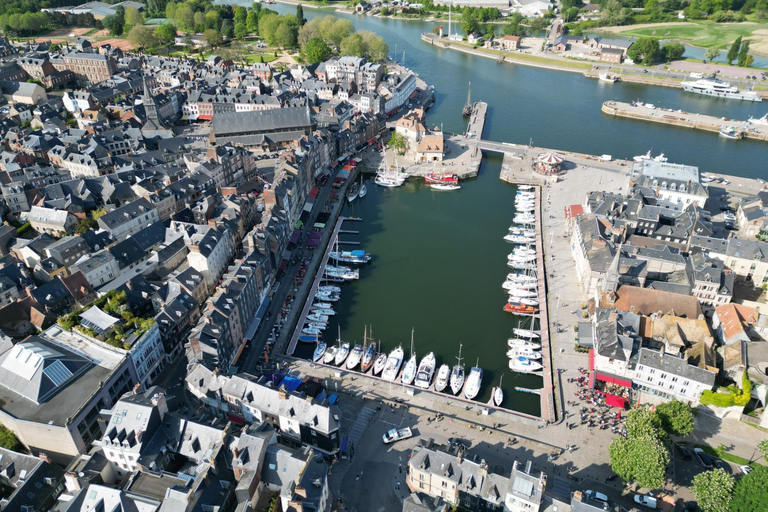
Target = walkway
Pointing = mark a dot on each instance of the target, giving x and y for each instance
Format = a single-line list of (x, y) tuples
[(358, 428)]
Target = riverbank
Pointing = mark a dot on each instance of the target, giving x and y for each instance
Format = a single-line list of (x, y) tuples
[(685, 119)]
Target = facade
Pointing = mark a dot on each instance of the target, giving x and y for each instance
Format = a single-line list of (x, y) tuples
[(748, 259), (129, 219), (679, 184), (89, 68), (612, 55), (148, 356), (51, 221), (98, 268), (670, 377)]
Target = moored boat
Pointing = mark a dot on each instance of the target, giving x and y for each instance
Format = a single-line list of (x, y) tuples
[(525, 352), (342, 354), (353, 193), (444, 186), (457, 375), (474, 381), (358, 257), (312, 331), (319, 351), (330, 354), (526, 333), (521, 343), (394, 362), (524, 365), (443, 375), (380, 363), (730, 132), (426, 371), (497, 395), (520, 309), (354, 357)]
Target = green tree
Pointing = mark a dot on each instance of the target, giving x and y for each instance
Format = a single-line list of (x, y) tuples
[(751, 491), (310, 30), (285, 35), (252, 22), (643, 459), (713, 490), (352, 45), (241, 30), (743, 52), (645, 50), (241, 14), (676, 418), (469, 23), (133, 17), (142, 36), (316, 50), (712, 53), (733, 52), (300, 14), (672, 51), (613, 13), (184, 17), (335, 30), (8, 439), (213, 37), (268, 26), (375, 46), (116, 22), (398, 142), (165, 34), (763, 447), (84, 225), (644, 422)]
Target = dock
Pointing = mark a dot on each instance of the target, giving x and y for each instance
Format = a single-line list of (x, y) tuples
[(547, 393), (685, 119)]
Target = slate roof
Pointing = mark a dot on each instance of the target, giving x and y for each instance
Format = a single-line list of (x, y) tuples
[(675, 365), (262, 121)]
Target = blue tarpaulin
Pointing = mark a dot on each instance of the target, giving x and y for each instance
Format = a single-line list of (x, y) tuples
[(333, 399), (344, 442), (291, 383)]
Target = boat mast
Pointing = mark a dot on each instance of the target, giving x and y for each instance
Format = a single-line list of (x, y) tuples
[(450, 9), (469, 94), (458, 359), (411, 341)]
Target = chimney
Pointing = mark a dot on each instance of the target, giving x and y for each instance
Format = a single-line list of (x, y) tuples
[(282, 393), (577, 496), (44, 457)]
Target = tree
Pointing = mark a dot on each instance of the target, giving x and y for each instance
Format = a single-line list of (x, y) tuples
[(763, 447), (84, 225), (300, 14), (165, 34), (142, 36), (676, 418), (316, 50), (352, 45), (644, 422), (268, 27), (8, 439), (643, 459), (285, 35), (398, 142), (184, 17), (213, 37), (712, 53), (241, 14), (252, 22), (645, 50), (133, 17), (116, 22), (743, 52), (713, 490), (375, 47), (672, 51), (733, 52), (334, 30), (751, 491), (612, 13), (469, 22)]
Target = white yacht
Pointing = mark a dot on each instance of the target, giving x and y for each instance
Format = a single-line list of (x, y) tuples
[(409, 370), (394, 361), (497, 394), (526, 333), (330, 354), (521, 343), (513, 353), (524, 365), (380, 363), (354, 357), (759, 120), (342, 354), (475, 379), (426, 371), (443, 375), (719, 89), (457, 375)]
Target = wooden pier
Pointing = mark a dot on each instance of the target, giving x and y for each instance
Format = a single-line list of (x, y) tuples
[(685, 119), (547, 393)]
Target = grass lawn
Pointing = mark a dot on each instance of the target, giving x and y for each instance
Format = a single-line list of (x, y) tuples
[(524, 57), (703, 34), (728, 456)]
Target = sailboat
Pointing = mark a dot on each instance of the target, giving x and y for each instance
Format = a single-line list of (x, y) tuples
[(443, 375), (497, 395), (467, 110), (394, 362), (330, 354), (355, 356), (363, 189), (370, 352), (525, 333), (409, 372), (319, 351), (380, 363), (343, 351), (475, 379), (457, 375)]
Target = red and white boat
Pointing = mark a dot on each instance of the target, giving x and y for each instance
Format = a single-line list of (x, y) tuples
[(441, 177), (520, 308)]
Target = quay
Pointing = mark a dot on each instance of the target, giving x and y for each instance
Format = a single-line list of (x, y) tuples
[(685, 119)]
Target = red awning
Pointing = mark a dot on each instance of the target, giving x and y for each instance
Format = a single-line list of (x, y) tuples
[(205, 117), (613, 380), (236, 419), (615, 401), (591, 368)]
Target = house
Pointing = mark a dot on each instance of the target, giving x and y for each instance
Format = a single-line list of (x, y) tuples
[(29, 483), (712, 283), (751, 217), (509, 43), (52, 221), (362, 7), (732, 323), (611, 55), (23, 92), (601, 43), (663, 377), (680, 184), (563, 43), (129, 219), (748, 259), (209, 249), (430, 148), (475, 38)]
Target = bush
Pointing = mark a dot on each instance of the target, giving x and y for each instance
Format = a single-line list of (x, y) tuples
[(24, 228), (8, 440), (734, 396)]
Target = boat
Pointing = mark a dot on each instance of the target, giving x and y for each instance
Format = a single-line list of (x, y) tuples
[(370, 353), (474, 381), (330, 297), (507, 285), (520, 309), (522, 251), (394, 361), (329, 288), (363, 188), (323, 311), (358, 257), (521, 278), (524, 365), (443, 375), (525, 352), (342, 354), (730, 132), (445, 186), (526, 333), (457, 375), (719, 89), (467, 110), (607, 77), (308, 338), (312, 331), (330, 354), (353, 193), (441, 177), (426, 371), (517, 230), (380, 363), (409, 370), (354, 357), (321, 305), (313, 317), (524, 219), (521, 266), (660, 158), (319, 351), (519, 342), (519, 239), (525, 188), (760, 120), (318, 325), (497, 395)]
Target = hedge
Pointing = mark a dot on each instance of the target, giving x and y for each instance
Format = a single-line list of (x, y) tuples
[(734, 396)]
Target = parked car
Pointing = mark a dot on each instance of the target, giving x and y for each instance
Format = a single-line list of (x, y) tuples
[(704, 460), (720, 463), (745, 470), (596, 496), (645, 500), (684, 452), (459, 441)]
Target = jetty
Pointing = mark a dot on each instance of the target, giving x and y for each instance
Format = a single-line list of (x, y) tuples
[(747, 129)]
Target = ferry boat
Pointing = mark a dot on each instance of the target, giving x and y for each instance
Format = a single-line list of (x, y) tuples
[(394, 361), (354, 357), (426, 371), (319, 351), (719, 89), (457, 375), (730, 132), (475, 379), (443, 375), (330, 354), (342, 354), (520, 309), (524, 365), (444, 186), (357, 257)]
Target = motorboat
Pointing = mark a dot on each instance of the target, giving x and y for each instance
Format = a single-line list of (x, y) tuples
[(529, 302), (329, 289), (358, 257), (524, 219), (354, 357), (342, 274), (394, 361), (760, 120), (342, 354), (426, 371), (522, 252), (516, 230), (521, 278), (519, 293), (317, 325), (330, 297), (730, 132), (525, 187), (475, 379), (719, 89), (508, 285), (607, 77), (521, 266), (497, 395), (529, 353), (330, 354), (526, 333), (305, 338), (520, 309), (321, 305), (519, 239), (319, 351), (409, 371), (520, 258), (312, 331), (380, 363), (444, 186), (353, 193), (443, 375), (314, 317), (323, 311), (457, 375), (524, 365), (519, 342)]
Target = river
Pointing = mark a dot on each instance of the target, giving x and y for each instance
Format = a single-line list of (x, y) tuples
[(439, 258)]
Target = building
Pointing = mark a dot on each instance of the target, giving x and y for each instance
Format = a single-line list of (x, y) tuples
[(210, 249), (23, 92), (509, 43), (89, 68), (712, 282), (748, 259), (275, 127), (98, 268), (662, 376), (430, 148), (129, 219), (751, 217), (732, 323), (679, 184), (52, 221), (27, 483), (611, 55)]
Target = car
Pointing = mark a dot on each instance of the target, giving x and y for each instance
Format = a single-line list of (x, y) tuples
[(704, 460), (645, 500), (720, 463), (745, 470), (684, 452), (726, 208), (596, 496), (459, 441)]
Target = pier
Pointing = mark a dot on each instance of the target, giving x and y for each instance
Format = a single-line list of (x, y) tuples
[(685, 119), (547, 393)]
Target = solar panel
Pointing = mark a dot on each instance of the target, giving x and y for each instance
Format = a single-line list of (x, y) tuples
[(58, 373)]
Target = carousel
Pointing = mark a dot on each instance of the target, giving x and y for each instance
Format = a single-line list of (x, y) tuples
[(549, 164)]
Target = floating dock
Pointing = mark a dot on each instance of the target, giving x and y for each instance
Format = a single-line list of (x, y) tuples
[(685, 119)]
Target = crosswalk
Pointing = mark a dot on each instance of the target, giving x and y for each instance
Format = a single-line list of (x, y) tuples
[(357, 429)]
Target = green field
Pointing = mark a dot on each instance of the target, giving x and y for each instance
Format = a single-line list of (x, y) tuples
[(157, 21), (703, 34)]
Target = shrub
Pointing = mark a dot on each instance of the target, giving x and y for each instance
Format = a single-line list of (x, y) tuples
[(24, 228), (8, 439)]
